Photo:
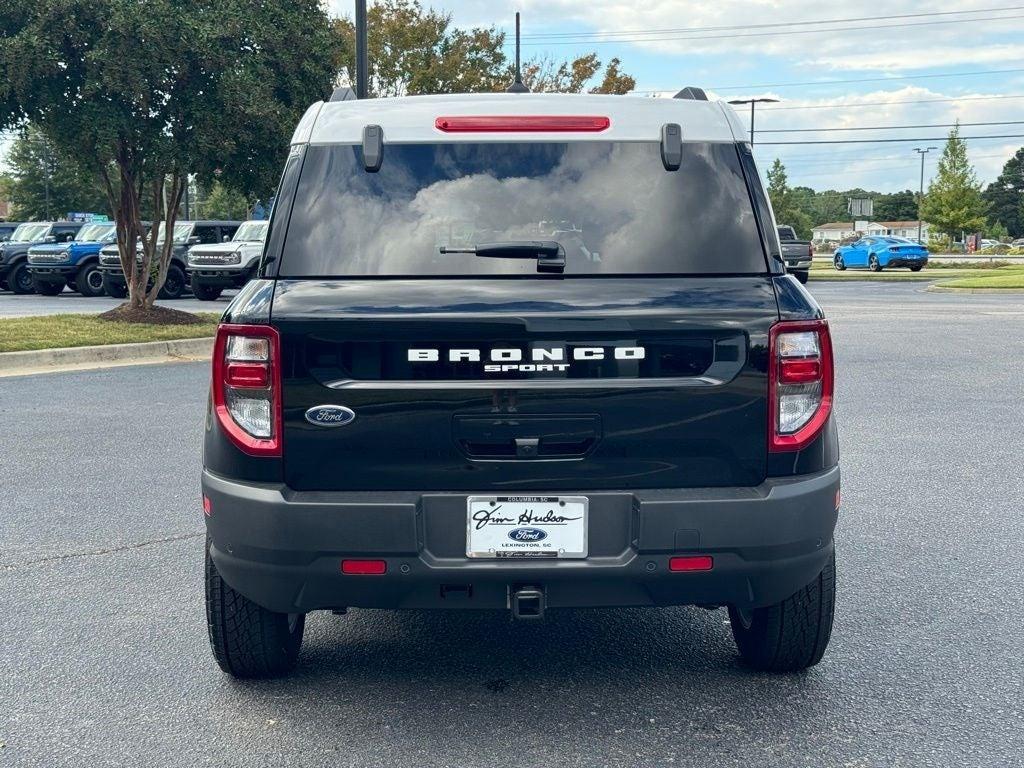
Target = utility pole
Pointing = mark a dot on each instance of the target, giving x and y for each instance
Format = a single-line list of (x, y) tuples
[(752, 102), (362, 54), (920, 195), (46, 175)]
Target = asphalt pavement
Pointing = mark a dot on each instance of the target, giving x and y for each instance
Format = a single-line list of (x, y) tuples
[(69, 302), (105, 658)]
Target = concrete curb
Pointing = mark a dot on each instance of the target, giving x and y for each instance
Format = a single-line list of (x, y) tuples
[(947, 289), (102, 356)]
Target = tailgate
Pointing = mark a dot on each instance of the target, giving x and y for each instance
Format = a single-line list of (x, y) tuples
[(493, 385)]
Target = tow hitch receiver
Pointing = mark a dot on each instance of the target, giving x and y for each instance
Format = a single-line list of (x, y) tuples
[(527, 603)]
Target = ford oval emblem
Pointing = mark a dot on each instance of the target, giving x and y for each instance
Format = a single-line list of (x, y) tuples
[(527, 534), (330, 415)]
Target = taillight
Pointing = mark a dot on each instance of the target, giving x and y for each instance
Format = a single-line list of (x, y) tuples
[(812, 249), (247, 387), (800, 380), (522, 123)]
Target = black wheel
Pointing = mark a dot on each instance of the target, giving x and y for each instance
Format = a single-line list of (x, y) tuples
[(206, 292), (791, 635), (247, 639), (838, 263), (918, 268), (174, 285), (115, 290), (89, 281), (21, 279), (4, 286), (801, 276), (873, 264), (47, 288)]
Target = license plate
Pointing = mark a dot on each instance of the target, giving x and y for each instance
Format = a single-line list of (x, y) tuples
[(526, 526)]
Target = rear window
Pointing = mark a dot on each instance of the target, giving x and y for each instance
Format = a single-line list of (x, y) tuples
[(611, 205)]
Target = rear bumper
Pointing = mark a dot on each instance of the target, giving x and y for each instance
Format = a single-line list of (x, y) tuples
[(906, 262), (283, 549), (798, 264)]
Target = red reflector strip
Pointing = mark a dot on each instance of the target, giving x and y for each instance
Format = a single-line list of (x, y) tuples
[(207, 506), (522, 124), (691, 563), (799, 371), (247, 375), (364, 567)]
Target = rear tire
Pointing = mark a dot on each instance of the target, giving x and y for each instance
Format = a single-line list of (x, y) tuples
[(21, 279), (917, 268), (48, 288), (248, 641), (801, 276), (791, 635), (873, 264), (206, 292), (89, 281), (115, 290)]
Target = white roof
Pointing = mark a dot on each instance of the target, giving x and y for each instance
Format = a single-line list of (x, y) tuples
[(410, 119)]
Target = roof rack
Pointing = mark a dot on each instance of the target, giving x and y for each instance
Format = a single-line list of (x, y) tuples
[(344, 93), (693, 93)]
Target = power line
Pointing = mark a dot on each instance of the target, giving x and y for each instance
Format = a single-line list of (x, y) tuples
[(975, 73), (885, 141), (786, 24), (887, 103), (887, 127), (786, 32)]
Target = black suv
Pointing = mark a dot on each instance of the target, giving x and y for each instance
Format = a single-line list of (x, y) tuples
[(186, 234), (521, 352), (14, 268)]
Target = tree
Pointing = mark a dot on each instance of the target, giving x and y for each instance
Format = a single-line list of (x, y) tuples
[(786, 203), (1005, 196), (149, 93), (224, 203), (417, 50), (998, 232), (954, 203), (897, 206), (45, 183)]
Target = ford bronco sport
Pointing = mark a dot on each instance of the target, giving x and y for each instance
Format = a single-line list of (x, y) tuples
[(521, 352)]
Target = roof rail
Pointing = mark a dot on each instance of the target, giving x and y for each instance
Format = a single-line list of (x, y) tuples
[(344, 93), (693, 93)]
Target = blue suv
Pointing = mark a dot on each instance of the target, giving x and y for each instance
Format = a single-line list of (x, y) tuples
[(74, 264)]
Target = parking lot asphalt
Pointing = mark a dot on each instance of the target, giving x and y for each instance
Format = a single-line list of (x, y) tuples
[(105, 658), (68, 302)]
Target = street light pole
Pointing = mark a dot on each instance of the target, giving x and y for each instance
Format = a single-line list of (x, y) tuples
[(920, 194), (752, 102)]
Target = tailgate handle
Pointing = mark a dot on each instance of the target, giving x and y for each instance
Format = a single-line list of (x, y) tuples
[(526, 437)]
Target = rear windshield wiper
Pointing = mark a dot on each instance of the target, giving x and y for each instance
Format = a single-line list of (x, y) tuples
[(550, 255)]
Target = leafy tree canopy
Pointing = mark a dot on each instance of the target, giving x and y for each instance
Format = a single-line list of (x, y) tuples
[(162, 89), (46, 183), (417, 50), (1005, 196)]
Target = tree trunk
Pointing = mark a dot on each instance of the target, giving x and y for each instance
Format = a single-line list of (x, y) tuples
[(174, 191)]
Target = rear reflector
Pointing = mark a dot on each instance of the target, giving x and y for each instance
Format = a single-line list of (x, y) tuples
[(691, 563), (207, 506), (522, 124), (364, 567), (248, 375)]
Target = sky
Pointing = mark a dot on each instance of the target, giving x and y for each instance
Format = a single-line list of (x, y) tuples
[(914, 64)]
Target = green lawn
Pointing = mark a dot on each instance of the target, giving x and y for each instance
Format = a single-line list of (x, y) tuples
[(826, 272), (1009, 278), (23, 333)]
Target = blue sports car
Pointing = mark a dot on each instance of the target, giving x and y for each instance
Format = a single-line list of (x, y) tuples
[(877, 253)]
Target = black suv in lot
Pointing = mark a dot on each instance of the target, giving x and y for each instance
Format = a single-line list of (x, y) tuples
[(186, 234), (521, 352), (14, 269)]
